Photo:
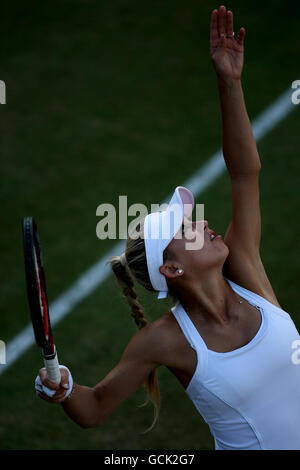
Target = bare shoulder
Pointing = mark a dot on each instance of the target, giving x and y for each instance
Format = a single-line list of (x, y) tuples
[(174, 350), (161, 337), (162, 342), (176, 353), (149, 342)]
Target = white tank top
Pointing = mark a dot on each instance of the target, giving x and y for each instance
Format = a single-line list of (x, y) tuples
[(249, 397)]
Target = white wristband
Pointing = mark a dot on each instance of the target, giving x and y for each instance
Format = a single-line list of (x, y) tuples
[(49, 392)]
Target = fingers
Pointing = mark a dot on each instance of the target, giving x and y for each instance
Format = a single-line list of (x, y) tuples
[(60, 389), (57, 398), (45, 381), (52, 385), (222, 23), (222, 20), (64, 378), (229, 23), (214, 34), (241, 36)]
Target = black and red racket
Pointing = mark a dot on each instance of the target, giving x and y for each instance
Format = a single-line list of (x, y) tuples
[(37, 298)]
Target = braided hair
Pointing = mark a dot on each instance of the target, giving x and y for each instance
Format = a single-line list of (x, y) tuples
[(136, 263)]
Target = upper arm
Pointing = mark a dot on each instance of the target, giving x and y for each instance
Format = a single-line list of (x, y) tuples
[(244, 231), (243, 264), (137, 362)]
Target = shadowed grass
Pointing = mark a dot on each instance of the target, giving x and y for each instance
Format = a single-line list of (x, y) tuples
[(107, 99)]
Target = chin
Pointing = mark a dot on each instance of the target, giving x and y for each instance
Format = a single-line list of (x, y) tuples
[(226, 249), (225, 246), (226, 253)]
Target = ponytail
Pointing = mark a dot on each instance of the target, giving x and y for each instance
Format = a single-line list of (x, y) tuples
[(127, 287), (121, 270)]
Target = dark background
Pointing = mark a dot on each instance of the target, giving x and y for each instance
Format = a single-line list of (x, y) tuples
[(120, 98)]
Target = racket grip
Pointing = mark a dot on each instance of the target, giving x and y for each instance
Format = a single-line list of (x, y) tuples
[(52, 368)]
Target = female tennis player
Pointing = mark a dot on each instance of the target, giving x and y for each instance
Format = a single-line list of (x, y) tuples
[(227, 340)]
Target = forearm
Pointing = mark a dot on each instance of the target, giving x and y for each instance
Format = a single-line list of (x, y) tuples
[(83, 407), (239, 146)]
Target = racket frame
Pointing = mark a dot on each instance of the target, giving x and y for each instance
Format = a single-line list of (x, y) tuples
[(37, 298)]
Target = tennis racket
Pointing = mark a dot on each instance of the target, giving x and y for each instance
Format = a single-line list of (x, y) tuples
[(37, 298)]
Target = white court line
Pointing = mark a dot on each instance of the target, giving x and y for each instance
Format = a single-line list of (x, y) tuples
[(99, 272)]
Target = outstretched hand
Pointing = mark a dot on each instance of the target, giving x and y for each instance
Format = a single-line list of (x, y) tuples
[(226, 52)]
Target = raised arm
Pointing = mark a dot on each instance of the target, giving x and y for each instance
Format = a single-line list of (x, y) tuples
[(243, 236), (227, 55)]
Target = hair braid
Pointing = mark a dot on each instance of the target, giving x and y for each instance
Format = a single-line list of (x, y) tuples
[(127, 285), (135, 254)]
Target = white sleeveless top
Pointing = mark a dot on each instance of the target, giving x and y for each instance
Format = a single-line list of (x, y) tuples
[(249, 397)]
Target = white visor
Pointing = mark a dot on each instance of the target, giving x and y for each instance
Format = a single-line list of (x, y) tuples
[(159, 230)]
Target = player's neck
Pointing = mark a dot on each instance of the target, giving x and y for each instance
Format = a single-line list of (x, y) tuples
[(208, 298)]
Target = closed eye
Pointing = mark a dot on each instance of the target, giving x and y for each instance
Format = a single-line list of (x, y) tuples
[(192, 224), (185, 226)]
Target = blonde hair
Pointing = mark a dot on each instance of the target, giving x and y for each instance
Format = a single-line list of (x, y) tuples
[(136, 263)]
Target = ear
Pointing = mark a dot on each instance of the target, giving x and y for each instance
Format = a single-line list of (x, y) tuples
[(171, 270)]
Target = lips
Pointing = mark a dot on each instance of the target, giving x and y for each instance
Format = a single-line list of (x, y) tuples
[(214, 235)]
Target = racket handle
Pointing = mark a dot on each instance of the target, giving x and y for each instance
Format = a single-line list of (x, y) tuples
[(52, 368)]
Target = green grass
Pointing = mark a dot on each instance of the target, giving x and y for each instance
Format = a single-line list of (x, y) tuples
[(106, 99)]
